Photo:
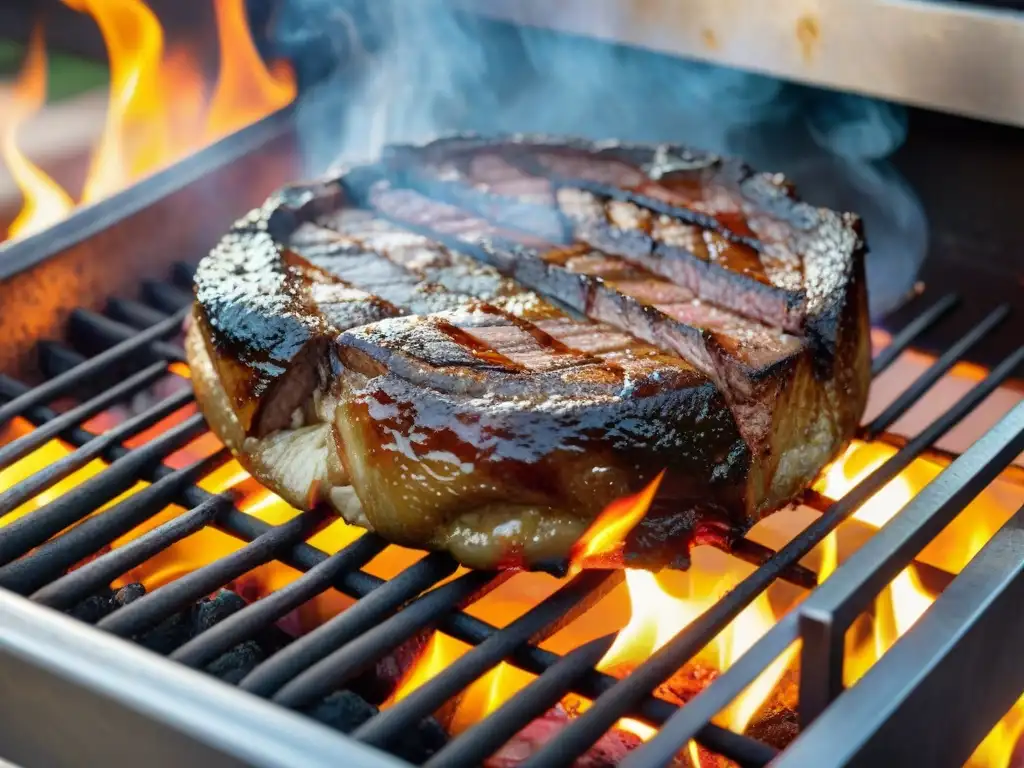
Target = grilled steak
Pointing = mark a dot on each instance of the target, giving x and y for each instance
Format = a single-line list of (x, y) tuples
[(477, 345)]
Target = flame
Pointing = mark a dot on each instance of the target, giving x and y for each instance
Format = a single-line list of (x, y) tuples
[(135, 140), (45, 202), (658, 615), (605, 536), (158, 108), (246, 90)]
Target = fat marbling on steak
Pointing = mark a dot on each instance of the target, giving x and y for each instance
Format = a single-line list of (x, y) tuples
[(476, 345)]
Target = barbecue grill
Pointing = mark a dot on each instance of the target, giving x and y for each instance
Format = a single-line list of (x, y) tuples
[(116, 703), (91, 312)]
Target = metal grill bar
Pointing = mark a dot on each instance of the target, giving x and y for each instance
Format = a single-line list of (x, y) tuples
[(480, 741), (582, 732), (164, 296), (55, 556), (902, 340), (32, 530), (60, 385), (23, 446), (936, 371), (268, 678), (373, 643), (90, 447), (540, 622), (254, 617), (94, 331), (148, 611), (65, 592), (134, 313)]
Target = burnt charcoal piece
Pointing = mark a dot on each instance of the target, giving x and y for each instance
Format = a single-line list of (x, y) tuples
[(346, 711), (238, 662), (97, 607), (214, 609), (169, 634), (342, 710)]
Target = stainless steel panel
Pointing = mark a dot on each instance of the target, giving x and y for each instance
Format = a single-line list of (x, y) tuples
[(954, 57)]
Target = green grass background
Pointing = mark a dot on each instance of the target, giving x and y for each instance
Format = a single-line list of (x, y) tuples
[(68, 75)]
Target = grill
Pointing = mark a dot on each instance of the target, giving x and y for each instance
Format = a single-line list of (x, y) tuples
[(113, 701)]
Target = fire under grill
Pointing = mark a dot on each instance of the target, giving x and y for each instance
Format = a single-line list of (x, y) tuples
[(139, 476)]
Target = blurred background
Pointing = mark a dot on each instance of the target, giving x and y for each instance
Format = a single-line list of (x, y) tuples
[(907, 113)]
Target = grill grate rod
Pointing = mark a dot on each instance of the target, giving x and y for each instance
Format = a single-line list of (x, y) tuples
[(23, 446), (149, 610), (65, 592), (298, 656), (89, 331), (483, 739), (582, 732), (244, 624), (89, 447), (936, 371), (32, 530), (66, 382), (55, 556), (540, 622), (902, 340)]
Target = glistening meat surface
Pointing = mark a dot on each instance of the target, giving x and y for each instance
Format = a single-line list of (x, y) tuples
[(477, 346)]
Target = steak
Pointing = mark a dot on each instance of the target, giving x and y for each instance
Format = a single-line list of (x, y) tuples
[(477, 345)]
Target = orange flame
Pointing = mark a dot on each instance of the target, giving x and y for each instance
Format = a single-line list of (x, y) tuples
[(604, 538), (45, 202), (246, 90), (157, 108), (134, 141)]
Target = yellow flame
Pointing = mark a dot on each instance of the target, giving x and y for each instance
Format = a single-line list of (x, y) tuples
[(134, 140), (246, 89), (608, 532), (45, 202)]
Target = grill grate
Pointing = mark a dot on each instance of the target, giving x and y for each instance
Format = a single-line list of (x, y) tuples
[(133, 337)]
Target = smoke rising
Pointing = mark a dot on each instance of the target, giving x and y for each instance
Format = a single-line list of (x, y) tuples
[(395, 70)]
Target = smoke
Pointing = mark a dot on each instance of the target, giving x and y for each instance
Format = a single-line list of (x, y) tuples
[(407, 70)]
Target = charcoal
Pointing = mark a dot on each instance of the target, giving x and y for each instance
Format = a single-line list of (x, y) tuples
[(102, 604), (129, 593), (346, 711), (237, 663), (168, 635), (212, 610), (343, 710)]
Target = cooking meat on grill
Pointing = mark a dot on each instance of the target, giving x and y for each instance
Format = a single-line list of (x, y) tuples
[(477, 345)]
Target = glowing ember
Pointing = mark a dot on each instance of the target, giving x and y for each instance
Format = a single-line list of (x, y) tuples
[(604, 539), (158, 110), (45, 202)]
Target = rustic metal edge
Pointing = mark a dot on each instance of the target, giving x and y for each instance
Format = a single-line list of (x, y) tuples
[(18, 255)]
